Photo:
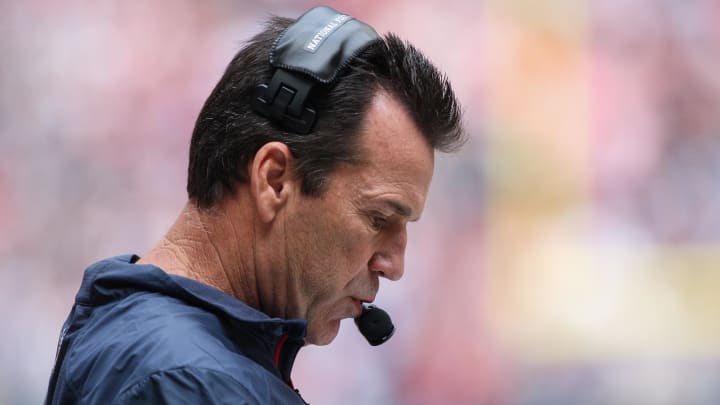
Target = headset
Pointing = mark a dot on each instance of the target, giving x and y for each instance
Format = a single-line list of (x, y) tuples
[(312, 52)]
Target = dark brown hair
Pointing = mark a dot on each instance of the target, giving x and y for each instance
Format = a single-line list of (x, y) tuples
[(228, 133)]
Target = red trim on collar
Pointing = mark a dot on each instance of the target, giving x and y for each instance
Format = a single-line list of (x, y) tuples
[(278, 349)]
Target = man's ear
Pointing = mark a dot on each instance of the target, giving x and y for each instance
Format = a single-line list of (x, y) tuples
[(272, 179)]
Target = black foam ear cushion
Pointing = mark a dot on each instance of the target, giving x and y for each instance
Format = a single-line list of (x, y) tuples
[(321, 43), (313, 50)]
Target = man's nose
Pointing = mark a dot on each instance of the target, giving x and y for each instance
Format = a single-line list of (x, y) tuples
[(389, 261)]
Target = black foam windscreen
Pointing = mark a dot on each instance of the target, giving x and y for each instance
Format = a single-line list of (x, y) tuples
[(375, 324)]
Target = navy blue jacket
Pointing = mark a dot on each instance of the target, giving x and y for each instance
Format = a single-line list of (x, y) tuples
[(139, 335)]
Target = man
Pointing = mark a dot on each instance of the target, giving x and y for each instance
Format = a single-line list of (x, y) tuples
[(290, 223)]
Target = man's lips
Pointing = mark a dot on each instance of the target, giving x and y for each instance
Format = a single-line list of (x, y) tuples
[(364, 300), (359, 304)]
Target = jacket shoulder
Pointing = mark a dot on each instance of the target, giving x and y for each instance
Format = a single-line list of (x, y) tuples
[(150, 340)]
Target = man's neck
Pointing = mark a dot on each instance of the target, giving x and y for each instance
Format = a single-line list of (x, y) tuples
[(205, 245), (224, 247)]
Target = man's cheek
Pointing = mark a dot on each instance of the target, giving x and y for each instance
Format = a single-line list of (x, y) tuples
[(353, 246)]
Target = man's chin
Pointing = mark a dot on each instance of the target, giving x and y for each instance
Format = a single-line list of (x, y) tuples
[(324, 334)]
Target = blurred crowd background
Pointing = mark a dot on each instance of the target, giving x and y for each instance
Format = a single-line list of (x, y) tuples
[(568, 255)]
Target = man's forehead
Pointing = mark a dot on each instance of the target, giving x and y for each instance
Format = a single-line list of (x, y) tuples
[(389, 137)]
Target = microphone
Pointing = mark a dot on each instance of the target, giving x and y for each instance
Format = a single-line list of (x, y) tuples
[(375, 324)]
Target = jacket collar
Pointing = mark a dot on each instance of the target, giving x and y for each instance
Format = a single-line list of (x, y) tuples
[(115, 278)]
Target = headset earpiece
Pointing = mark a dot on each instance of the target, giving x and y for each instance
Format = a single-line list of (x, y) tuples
[(312, 51)]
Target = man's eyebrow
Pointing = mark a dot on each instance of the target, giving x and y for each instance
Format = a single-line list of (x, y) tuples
[(401, 209)]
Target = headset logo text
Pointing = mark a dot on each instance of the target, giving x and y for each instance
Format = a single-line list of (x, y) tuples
[(325, 32)]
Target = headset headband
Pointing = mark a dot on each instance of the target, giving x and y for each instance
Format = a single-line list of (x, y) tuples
[(312, 51)]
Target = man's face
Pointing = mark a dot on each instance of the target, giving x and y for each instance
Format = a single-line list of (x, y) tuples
[(340, 244)]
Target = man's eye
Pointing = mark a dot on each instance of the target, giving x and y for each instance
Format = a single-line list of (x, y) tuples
[(379, 222)]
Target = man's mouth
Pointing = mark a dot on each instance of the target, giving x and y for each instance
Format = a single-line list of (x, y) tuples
[(359, 304)]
